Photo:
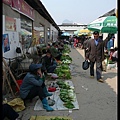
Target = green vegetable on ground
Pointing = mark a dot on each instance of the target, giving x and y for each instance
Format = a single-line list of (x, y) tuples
[(57, 118), (69, 105)]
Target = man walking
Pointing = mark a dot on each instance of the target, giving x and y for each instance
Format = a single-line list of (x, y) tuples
[(95, 54)]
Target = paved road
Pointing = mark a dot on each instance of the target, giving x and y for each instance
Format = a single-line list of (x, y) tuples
[(99, 102), (110, 79)]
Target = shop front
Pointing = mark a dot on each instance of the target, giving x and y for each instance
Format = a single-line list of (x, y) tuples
[(26, 33), (26, 26), (18, 19)]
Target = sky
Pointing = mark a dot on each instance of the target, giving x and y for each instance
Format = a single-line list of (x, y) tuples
[(77, 11)]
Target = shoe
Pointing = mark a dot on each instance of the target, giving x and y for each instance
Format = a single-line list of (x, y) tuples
[(46, 106), (101, 80), (91, 76)]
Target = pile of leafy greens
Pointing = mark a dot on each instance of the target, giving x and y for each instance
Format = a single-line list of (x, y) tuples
[(63, 71)]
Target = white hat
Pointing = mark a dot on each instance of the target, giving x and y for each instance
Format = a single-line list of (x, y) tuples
[(112, 48)]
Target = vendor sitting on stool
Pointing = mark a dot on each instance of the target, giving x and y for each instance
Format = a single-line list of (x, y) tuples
[(33, 85)]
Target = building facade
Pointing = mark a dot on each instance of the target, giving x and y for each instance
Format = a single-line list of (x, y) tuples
[(71, 28), (25, 26)]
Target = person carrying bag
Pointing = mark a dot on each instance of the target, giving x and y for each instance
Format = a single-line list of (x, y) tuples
[(85, 65)]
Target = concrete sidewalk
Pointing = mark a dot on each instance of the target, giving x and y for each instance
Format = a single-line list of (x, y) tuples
[(111, 81)]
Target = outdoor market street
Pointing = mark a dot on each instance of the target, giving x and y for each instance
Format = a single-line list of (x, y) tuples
[(97, 102)]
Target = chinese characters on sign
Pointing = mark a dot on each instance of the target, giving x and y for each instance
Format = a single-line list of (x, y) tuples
[(21, 6)]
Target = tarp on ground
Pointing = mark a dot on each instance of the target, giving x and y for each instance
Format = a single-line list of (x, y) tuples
[(58, 102)]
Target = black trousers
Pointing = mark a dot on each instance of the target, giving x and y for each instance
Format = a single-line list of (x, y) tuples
[(51, 69), (98, 69), (9, 112), (36, 91)]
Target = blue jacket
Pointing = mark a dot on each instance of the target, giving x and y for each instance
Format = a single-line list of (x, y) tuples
[(110, 44), (29, 81)]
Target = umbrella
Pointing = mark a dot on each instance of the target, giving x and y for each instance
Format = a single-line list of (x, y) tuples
[(84, 32), (106, 24), (65, 34), (76, 32)]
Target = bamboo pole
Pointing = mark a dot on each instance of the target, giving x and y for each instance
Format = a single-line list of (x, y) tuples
[(11, 74), (8, 84)]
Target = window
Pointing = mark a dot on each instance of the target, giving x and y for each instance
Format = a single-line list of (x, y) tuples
[(26, 31), (48, 33)]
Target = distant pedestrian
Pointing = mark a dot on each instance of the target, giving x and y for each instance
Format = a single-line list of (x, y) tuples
[(110, 43), (71, 40), (95, 54), (75, 42)]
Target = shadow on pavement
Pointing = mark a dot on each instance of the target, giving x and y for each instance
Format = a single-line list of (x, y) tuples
[(109, 75)]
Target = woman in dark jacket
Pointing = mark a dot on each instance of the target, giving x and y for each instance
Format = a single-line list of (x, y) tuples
[(48, 62), (33, 85)]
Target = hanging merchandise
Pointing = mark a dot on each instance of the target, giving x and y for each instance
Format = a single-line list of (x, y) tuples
[(18, 50), (104, 25)]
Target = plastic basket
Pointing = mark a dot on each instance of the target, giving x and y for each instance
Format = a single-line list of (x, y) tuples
[(19, 84)]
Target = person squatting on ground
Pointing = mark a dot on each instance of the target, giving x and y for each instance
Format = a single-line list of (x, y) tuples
[(33, 85), (48, 62), (54, 51), (60, 47), (94, 54)]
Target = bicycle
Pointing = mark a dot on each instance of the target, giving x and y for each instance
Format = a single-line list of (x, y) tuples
[(15, 66)]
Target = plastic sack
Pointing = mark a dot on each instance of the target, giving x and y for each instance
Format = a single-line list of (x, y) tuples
[(18, 50), (54, 76), (17, 104), (104, 65), (85, 65)]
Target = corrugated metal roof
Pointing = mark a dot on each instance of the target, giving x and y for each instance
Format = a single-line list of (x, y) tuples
[(110, 13)]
